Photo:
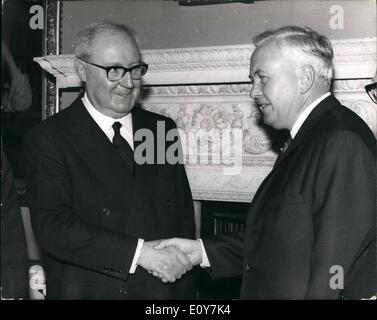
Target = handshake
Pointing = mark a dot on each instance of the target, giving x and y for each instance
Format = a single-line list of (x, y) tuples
[(170, 259)]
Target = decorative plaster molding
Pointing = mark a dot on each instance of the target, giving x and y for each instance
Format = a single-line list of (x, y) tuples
[(210, 183), (215, 121), (200, 90), (350, 85), (354, 59)]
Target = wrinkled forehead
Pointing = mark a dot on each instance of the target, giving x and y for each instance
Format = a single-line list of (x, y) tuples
[(110, 45), (268, 56), (262, 54)]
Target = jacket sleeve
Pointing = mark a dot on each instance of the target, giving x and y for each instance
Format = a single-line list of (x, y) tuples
[(184, 195), (59, 229), (344, 212), (225, 254)]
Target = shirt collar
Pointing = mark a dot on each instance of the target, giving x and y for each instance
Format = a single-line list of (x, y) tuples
[(303, 115), (106, 122)]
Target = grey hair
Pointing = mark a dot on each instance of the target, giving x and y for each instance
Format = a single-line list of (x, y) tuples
[(299, 40), (85, 36)]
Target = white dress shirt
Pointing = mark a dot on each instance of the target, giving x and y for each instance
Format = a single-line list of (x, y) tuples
[(126, 131), (304, 114), (296, 126), (106, 122)]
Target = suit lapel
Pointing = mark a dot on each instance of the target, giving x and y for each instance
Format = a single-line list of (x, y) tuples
[(140, 121), (96, 150)]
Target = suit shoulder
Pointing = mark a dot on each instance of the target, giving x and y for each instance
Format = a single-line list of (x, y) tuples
[(155, 117), (340, 118), (343, 123), (52, 125)]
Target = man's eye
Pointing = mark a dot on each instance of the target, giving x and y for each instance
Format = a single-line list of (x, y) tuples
[(263, 79), (116, 70)]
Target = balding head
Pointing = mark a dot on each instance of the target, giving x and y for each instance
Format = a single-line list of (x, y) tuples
[(304, 46), (85, 37)]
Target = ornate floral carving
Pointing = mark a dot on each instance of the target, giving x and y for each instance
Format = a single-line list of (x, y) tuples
[(255, 140), (237, 116), (183, 119), (354, 85), (213, 120), (209, 117)]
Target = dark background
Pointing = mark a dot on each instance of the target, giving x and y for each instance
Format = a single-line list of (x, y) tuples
[(24, 43)]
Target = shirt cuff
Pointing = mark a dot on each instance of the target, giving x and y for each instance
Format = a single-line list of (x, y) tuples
[(205, 262), (136, 256)]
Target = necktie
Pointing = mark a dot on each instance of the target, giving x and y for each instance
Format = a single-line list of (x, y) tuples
[(124, 149), (286, 145)]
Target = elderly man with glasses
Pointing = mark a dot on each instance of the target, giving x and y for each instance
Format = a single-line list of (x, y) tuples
[(94, 206)]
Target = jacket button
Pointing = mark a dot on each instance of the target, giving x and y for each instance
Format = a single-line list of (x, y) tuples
[(123, 291), (106, 211), (168, 203), (248, 267)]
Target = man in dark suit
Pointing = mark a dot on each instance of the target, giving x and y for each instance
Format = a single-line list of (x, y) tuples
[(310, 231), (92, 202)]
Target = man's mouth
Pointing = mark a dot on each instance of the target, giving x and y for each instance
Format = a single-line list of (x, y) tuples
[(122, 94), (261, 106)]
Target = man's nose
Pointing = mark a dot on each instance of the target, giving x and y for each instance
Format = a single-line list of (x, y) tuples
[(127, 81), (255, 91)]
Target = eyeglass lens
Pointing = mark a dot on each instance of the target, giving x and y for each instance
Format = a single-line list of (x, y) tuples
[(117, 73)]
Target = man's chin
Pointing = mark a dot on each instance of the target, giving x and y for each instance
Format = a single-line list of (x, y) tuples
[(124, 105), (124, 109), (267, 121)]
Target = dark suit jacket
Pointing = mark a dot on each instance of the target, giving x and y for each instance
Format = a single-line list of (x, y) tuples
[(315, 210), (88, 211), (14, 263)]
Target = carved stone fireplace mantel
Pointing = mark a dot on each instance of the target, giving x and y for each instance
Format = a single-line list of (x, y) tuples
[(206, 89)]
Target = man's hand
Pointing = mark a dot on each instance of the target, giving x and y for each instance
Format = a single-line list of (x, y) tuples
[(192, 248), (168, 264)]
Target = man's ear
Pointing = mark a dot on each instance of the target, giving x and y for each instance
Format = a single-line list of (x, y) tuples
[(80, 67), (307, 78)]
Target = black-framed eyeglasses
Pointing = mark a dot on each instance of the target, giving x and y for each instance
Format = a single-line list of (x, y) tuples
[(116, 73), (371, 89)]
